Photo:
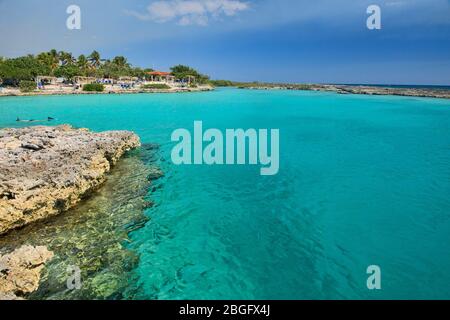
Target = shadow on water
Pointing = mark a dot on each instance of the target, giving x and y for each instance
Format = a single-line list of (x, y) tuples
[(94, 235)]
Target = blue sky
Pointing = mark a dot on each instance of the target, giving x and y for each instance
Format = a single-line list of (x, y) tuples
[(323, 41)]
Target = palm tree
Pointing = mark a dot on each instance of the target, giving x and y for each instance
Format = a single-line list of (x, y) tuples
[(54, 59), (46, 59), (94, 59), (49, 59), (53, 53), (66, 58), (121, 62), (83, 63)]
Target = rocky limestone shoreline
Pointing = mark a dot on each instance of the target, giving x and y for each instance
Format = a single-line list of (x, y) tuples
[(45, 171), (20, 271), (95, 235), (375, 90), (356, 89)]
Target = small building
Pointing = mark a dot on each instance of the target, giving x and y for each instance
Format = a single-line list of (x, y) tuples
[(161, 77), (46, 80)]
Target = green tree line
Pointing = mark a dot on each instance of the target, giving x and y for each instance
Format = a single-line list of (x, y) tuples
[(64, 64)]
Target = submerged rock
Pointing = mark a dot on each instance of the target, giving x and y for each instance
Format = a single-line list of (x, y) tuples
[(155, 174), (20, 271), (47, 170), (94, 236)]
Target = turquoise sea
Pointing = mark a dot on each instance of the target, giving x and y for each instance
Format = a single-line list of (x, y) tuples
[(363, 180)]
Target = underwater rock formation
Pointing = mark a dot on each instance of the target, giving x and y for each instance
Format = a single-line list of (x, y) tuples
[(94, 235)]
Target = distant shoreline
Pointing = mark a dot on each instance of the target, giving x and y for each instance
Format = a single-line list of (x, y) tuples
[(440, 92), (422, 92), (400, 86)]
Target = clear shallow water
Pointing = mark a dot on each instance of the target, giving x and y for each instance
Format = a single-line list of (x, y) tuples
[(93, 236), (363, 180)]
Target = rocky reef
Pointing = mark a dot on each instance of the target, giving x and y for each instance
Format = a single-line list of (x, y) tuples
[(45, 171), (378, 90), (94, 235), (422, 92), (20, 271)]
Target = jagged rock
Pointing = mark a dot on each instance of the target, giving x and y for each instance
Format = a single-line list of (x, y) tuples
[(356, 89), (20, 271), (155, 174), (47, 170)]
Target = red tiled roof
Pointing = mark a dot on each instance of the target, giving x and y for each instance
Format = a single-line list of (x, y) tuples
[(159, 73)]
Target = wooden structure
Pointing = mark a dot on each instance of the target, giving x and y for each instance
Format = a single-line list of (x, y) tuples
[(161, 77), (46, 80)]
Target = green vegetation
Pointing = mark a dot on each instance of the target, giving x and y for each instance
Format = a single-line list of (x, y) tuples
[(222, 83), (304, 86), (83, 66), (246, 85), (94, 59), (68, 71), (27, 86), (12, 71), (96, 87), (155, 86), (64, 65), (260, 85), (184, 72)]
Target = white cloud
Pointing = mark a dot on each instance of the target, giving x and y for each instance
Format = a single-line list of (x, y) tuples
[(190, 12)]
